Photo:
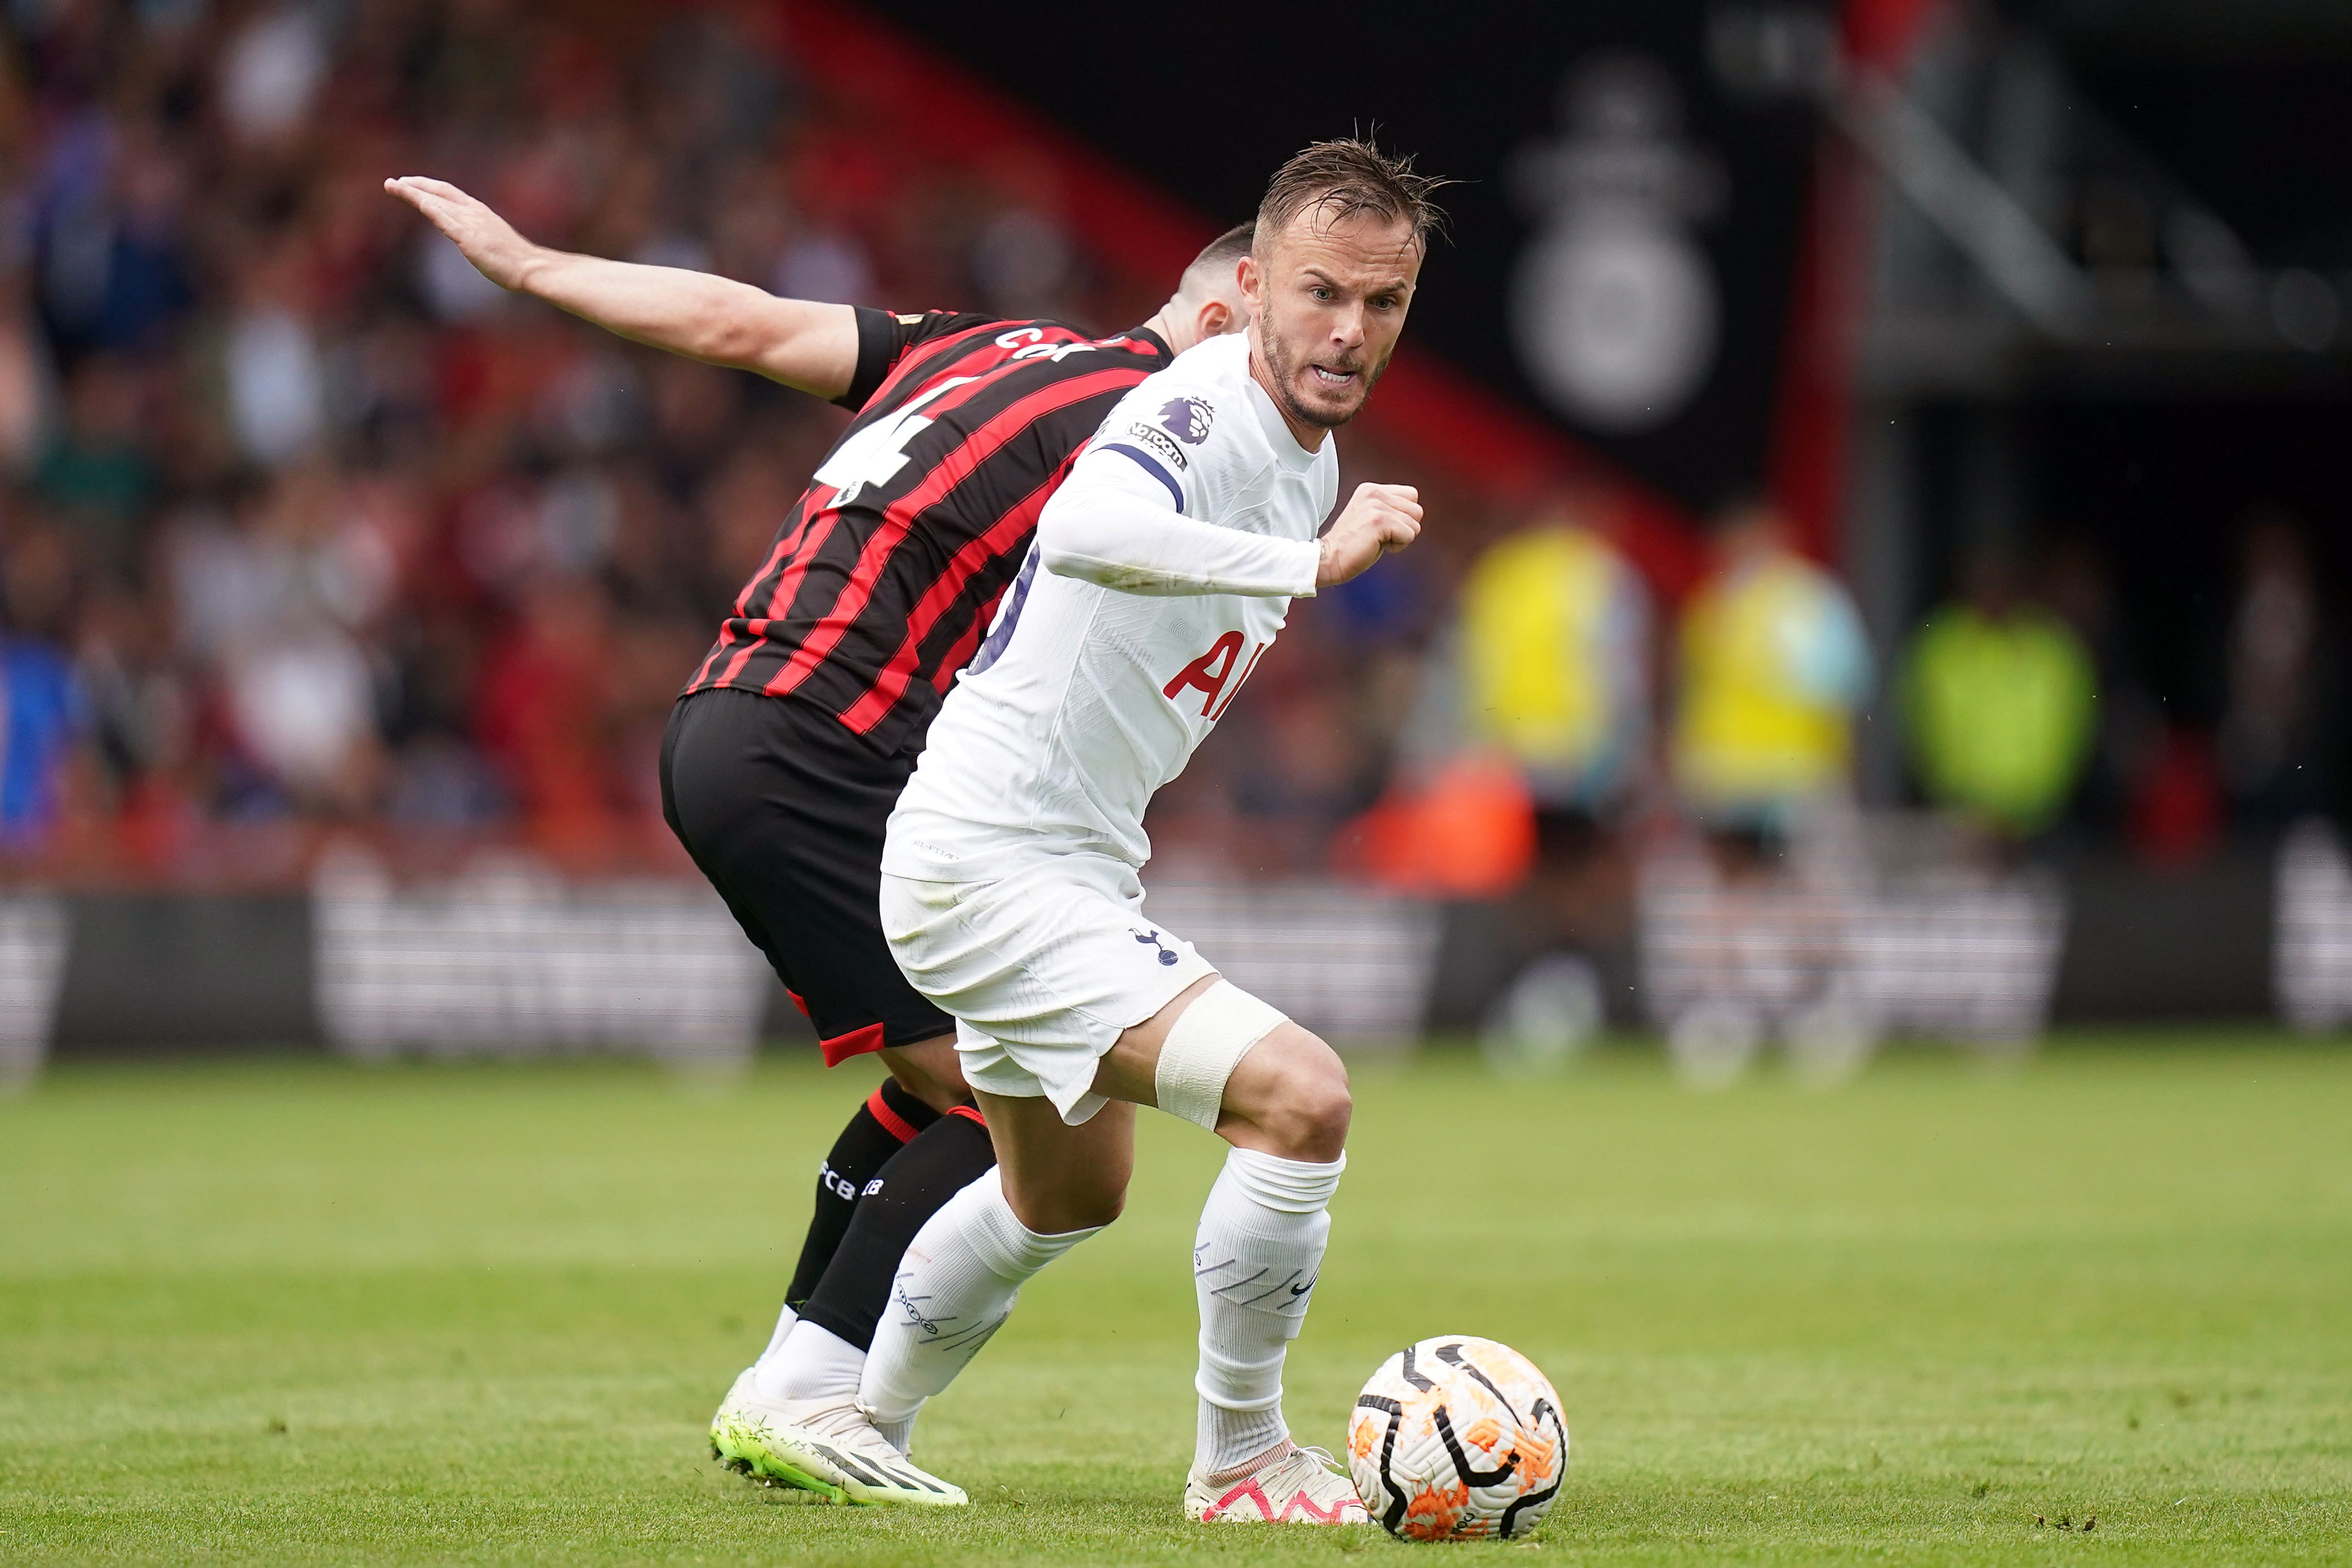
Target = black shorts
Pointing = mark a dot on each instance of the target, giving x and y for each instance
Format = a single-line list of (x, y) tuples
[(783, 809)]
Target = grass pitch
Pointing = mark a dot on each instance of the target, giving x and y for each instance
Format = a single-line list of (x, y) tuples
[(300, 1312)]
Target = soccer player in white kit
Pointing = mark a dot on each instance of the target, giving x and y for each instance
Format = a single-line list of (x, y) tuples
[(1161, 572)]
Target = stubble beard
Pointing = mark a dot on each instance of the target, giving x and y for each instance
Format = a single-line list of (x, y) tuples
[(1280, 367)]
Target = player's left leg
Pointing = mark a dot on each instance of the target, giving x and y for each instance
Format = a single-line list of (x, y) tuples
[(924, 1085), (825, 1353), (954, 1288), (885, 1122), (1056, 1185), (792, 1418)]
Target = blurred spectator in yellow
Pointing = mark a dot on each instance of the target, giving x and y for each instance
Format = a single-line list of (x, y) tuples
[(1998, 702), (1529, 730), (1774, 663), (1761, 935), (1526, 746), (1553, 653)]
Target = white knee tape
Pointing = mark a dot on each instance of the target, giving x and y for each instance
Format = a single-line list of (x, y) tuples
[(1202, 1050)]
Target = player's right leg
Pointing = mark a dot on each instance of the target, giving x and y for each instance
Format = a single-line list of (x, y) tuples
[(1257, 1254), (1055, 1186)]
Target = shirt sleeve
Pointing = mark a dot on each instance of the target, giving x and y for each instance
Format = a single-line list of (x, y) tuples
[(1115, 522), (883, 338)]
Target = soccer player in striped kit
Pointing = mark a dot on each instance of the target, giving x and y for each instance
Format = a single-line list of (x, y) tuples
[(791, 740)]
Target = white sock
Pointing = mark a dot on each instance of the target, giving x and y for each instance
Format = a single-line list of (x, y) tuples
[(812, 1363), (955, 1287), (785, 1318), (1254, 1261)]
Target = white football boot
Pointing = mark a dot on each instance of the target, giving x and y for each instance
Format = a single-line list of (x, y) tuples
[(823, 1446), (1293, 1486)]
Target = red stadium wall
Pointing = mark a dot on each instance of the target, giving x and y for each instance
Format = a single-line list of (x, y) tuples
[(1815, 404)]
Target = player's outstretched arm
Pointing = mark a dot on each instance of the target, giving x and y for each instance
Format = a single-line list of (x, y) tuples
[(803, 344)]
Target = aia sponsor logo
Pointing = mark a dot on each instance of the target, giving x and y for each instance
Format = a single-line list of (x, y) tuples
[(1213, 675)]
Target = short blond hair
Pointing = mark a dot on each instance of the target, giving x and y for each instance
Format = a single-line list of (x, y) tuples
[(1349, 178)]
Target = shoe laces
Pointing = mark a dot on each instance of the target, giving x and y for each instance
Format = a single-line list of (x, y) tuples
[(844, 1423), (1304, 1466)]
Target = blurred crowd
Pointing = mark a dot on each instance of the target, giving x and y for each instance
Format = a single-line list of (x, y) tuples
[(302, 522)]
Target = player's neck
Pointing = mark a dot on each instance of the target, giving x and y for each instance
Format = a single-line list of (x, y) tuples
[(1167, 325)]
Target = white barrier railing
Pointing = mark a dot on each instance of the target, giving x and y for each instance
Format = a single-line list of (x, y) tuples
[(1832, 953), (35, 936), (508, 959), (2312, 959)]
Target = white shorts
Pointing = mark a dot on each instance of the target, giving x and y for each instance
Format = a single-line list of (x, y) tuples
[(1041, 969)]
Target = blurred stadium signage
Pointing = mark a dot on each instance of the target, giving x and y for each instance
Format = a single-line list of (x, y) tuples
[(1614, 306), (509, 959), (1633, 185)]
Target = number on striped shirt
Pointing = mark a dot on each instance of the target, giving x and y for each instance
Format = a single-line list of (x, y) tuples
[(875, 454)]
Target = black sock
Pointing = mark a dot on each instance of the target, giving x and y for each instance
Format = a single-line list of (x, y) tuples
[(888, 1121), (948, 1156)]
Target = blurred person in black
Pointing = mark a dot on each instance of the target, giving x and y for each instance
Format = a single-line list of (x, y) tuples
[(791, 741), (2279, 738)]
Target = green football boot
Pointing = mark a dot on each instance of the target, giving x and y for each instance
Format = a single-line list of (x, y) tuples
[(822, 1446)]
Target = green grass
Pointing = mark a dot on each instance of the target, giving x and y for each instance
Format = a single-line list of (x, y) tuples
[(300, 1312)]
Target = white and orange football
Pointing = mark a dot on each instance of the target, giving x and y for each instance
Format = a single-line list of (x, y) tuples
[(1457, 1436)]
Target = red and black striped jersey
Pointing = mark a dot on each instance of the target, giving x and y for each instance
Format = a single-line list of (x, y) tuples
[(883, 578)]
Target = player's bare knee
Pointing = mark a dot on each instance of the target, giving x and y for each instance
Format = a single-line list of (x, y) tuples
[(1307, 1118), (1292, 1088)]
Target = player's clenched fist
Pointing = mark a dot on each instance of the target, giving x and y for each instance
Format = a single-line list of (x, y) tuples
[(489, 241), (1377, 520)]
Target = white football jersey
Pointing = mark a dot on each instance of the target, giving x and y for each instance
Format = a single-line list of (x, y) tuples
[(1161, 574)]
